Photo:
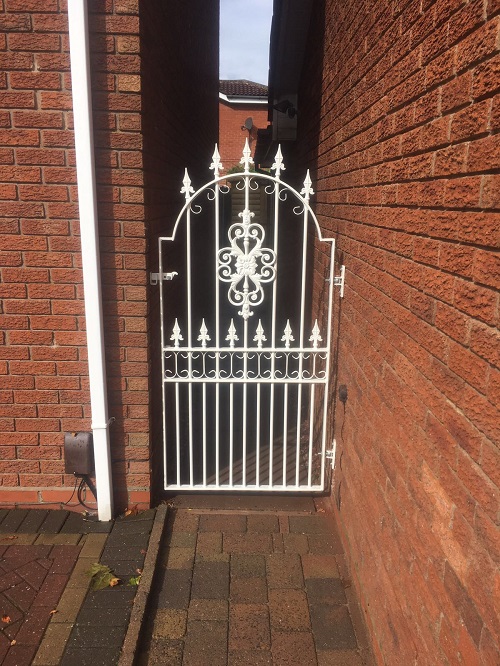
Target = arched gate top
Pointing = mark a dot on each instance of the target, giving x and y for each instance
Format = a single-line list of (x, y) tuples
[(277, 184)]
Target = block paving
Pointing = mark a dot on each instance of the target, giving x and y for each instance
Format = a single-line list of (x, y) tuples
[(51, 618), (32, 580), (236, 588)]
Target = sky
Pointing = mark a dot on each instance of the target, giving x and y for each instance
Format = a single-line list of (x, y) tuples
[(244, 39)]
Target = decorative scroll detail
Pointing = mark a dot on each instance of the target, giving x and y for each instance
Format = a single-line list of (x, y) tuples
[(176, 334), (186, 188), (287, 336), (259, 336), (315, 336), (229, 365), (231, 336), (246, 160), (253, 264), (203, 337)]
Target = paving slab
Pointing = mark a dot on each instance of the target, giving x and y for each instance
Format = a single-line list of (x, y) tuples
[(174, 589), (293, 649), (53, 522), (205, 643), (289, 610), (332, 628), (263, 588), (210, 580), (249, 627), (248, 591)]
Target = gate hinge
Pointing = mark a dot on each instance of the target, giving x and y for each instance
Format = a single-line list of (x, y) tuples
[(338, 280), (154, 278)]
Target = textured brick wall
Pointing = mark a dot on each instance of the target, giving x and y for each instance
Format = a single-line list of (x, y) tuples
[(43, 372), (43, 381), (231, 136), (402, 135)]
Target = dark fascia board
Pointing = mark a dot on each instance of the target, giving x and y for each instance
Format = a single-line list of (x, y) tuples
[(289, 30)]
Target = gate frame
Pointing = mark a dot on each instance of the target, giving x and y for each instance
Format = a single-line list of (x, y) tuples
[(214, 187)]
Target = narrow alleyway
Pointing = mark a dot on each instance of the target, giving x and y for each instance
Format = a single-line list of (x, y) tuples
[(237, 587)]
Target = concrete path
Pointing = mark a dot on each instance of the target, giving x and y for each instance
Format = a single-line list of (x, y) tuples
[(251, 586)]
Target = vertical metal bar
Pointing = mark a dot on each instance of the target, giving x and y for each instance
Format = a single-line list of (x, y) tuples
[(257, 438), (217, 336), (273, 330), (311, 435), (177, 435), (285, 431), (328, 355), (204, 400), (299, 430), (245, 354), (190, 341), (162, 346), (244, 434), (231, 433), (301, 339)]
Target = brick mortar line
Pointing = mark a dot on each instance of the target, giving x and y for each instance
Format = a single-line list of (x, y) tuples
[(54, 643)]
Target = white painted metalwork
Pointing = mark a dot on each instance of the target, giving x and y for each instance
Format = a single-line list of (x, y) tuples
[(89, 233), (245, 403)]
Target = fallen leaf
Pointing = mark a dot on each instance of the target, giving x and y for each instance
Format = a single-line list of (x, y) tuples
[(11, 537), (6, 619), (13, 642), (138, 571), (143, 552), (102, 576), (133, 511), (134, 580), (53, 612)]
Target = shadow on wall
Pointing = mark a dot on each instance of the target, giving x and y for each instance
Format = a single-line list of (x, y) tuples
[(180, 90)]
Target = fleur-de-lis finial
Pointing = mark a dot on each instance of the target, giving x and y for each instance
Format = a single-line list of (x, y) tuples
[(203, 337), (246, 160), (278, 165), (176, 334), (186, 188), (231, 334), (307, 190), (259, 336), (216, 165), (287, 336), (315, 336)]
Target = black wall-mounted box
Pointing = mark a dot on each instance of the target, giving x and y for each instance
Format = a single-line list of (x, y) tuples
[(78, 453)]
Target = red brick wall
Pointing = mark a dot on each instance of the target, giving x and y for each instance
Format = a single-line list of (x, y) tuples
[(403, 140), (43, 372), (231, 136)]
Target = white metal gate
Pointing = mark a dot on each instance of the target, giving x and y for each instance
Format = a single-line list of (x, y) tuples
[(245, 338)]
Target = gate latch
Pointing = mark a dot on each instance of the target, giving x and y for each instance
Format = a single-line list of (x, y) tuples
[(338, 280), (154, 278), (330, 454)]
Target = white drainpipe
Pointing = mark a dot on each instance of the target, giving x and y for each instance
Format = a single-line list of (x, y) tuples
[(87, 203)]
